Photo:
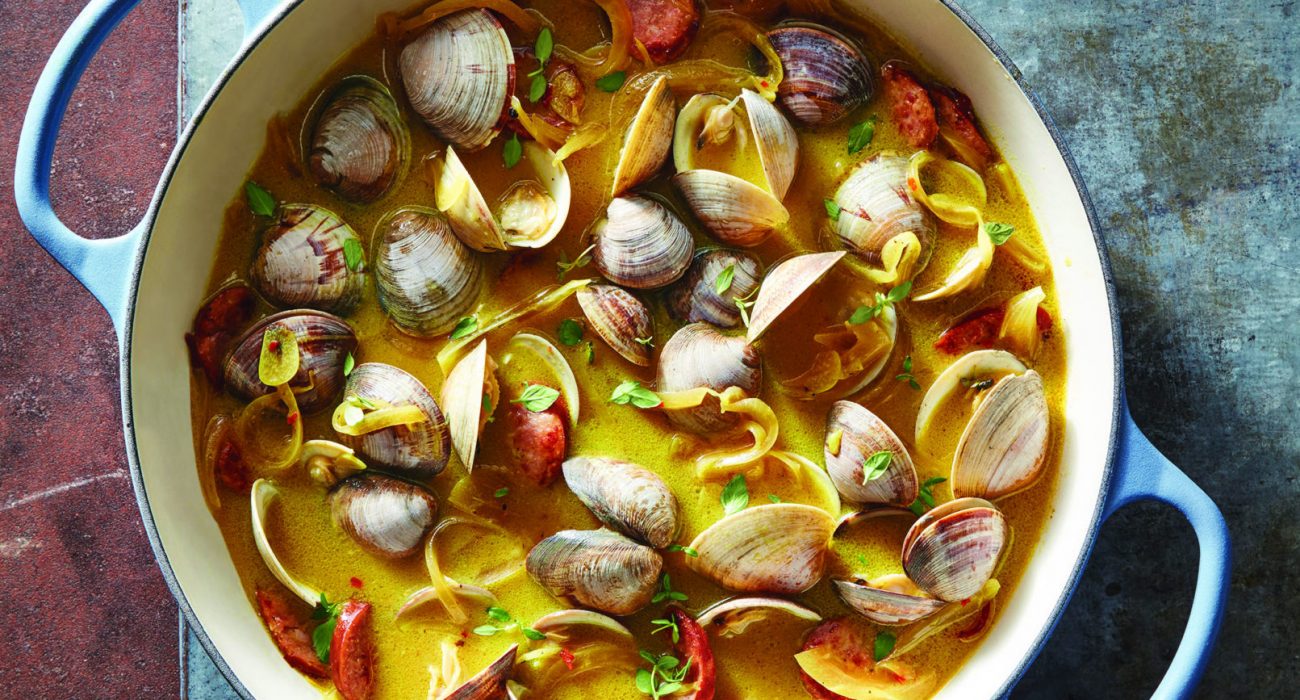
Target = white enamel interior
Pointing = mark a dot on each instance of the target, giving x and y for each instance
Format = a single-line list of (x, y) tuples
[(283, 67)]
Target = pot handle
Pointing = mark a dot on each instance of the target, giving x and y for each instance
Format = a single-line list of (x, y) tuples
[(1142, 473), (255, 11), (103, 266)]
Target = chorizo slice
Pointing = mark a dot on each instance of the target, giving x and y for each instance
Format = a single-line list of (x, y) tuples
[(848, 644), (957, 124), (665, 27), (538, 441), (352, 652), (694, 647), (910, 105), (979, 329), (215, 325), (290, 634)]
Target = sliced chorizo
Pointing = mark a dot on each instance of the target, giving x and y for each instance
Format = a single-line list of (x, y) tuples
[(979, 329), (910, 105), (665, 27), (693, 646), (215, 325), (290, 634), (538, 441), (849, 647), (957, 121), (352, 652)]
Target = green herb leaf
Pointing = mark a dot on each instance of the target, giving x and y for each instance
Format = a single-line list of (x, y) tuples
[(260, 201), (862, 134), (907, 363), (645, 682), (322, 636), (999, 232), (899, 293), (906, 376), (667, 624), (486, 630), (533, 634), (773, 498), (501, 492), (744, 310), (883, 646), (570, 332), (862, 314), (632, 392), (865, 313), (513, 151), (349, 363), (832, 209), (352, 253), (544, 46), (723, 282), (876, 465), (925, 495), (537, 88), (498, 614), (688, 551), (735, 495), (666, 591), (612, 82), (565, 266), (487, 406), (591, 352), (537, 398), (648, 341), (465, 326)]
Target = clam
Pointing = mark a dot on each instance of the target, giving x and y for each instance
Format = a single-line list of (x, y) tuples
[(261, 496), (736, 211), (469, 394), (328, 462), (598, 568), (304, 261), (699, 355), (882, 223), (620, 319), (733, 616), (490, 683), (977, 365), (786, 284), (625, 497), (826, 75), (1004, 447), (641, 244), (645, 148), (859, 436), (360, 143), (530, 214), (778, 548), (426, 279), (419, 450), (695, 297), (388, 517), (459, 75), (888, 600), (776, 140), (324, 342), (953, 550)]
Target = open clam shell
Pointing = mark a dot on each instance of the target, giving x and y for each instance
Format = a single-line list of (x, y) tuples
[(954, 549), (778, 548), (490, 683), (736, 211), (826, 76), (420, 450), (359, 143), (262, 495), (973, 365), (882, 223), (530, 214), (700, 355), (1004, 447), (324, 342), (775, 140), (459, 75), (733, 616), (388, 517), (645, 149), (302, 261), (784, 285), (620, 319), (626, 497), (469, 394), (861, 435), (547, 355), (600, 569), (695, 297), (641, 244), (891, 600), (425, 277)]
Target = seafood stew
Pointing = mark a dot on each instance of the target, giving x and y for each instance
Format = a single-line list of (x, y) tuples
[(492, 398)]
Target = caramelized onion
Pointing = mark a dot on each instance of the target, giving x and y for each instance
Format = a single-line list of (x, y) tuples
[(394, 27)]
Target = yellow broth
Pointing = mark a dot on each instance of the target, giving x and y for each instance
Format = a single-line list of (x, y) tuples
[(756, 664)]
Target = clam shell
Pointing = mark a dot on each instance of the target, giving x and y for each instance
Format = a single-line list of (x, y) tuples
[(619, 319), (645, 149), (418, 451), (695, 298), (261, 496), (733, 616), (688, 136), (876, 207), (425, 278), (700, 355), (460, 199), (862, 435), (360, 144), (490, 683), (462, 397), (778, 548), (1004, 447), (598, 568), (735, 211), (972, 364), (641, 244), (777, 142), (550, 357), (626, 497), (884, 606), (784, 285), (530, 214), (324, 342), (952, 550), (388, 517), (301, 262), (459, 75), (826, 76)]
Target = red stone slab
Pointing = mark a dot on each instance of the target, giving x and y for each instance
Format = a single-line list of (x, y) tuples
[(83, 606)]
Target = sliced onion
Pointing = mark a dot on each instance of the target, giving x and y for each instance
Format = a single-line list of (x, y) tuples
[(394, 27), (1019, 331), (447, 676), (480, 597), (971, 268), (758, 420), (945, 618), (256, 453), (379, 419), (542, 131), (544, 300), (551, 357), (883, 681)]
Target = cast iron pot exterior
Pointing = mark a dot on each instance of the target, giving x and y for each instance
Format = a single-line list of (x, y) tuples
[(153, 278)]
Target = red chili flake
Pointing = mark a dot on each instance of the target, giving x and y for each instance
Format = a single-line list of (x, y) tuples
[(567, 657), (911, 182), (898, 677), (292, 418), (764, 83), (356, 582), (273, 346), (966, 602), (460, 642)]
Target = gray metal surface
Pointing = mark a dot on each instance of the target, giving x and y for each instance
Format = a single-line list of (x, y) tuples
[(1182, 116)]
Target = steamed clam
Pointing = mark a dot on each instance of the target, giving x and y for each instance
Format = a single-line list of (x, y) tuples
[(966, 371), (388, 517), (324, 342), (425, 277), (310, 258), (736, 211), (882, 223), (418, 450), (459, 75), (1005, 444), (954, 549), (696, 296), (785, 285), (641, 244), (598, 568), (699, 355), (489, 684), (625, 497), (779, 548), (826, 75), (888, 600), (733, 616), (469, 394), (645, 148), (620, 319), (529, 214), (858, 445), (359, 144)]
